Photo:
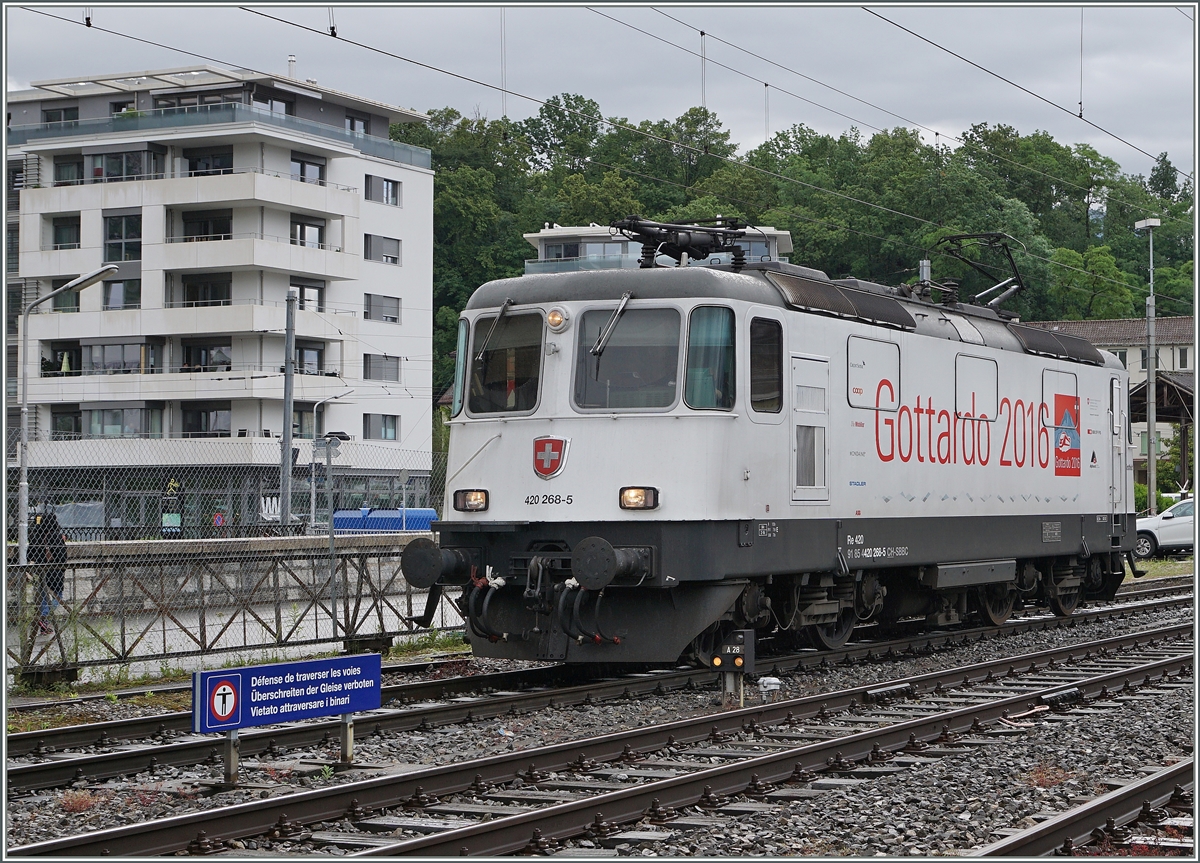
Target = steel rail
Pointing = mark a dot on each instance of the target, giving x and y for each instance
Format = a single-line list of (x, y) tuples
[(1076, 825), (62, 771), (168, 688), (70, 736), (1145, 592), (506, 835), (255, 818)]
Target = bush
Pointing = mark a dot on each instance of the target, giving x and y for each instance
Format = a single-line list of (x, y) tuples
[(1141, 499)]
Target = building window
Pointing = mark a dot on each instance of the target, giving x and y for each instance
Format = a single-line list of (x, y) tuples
[(205, 225), (115, 108), (12, 249), (195, 101), (380, 308), (357, 123), (60, 115), (307, 168), (118, 167), (66, 232), (381, 368), (1145, 437), (67, 422), (66, 359), (305, 422), (13, 309), (383, 249), (123, 294), (206, 358), (135, 359), (123, 238), (310, 359), (380, 426), (1183, 358), (272, 104), (206, 419), (1122, 356), (206, 289), (310, 292), (561, 251), (383, 190), (202, 163), (68, 170), (65, 302), (308, 231), (124, 422)]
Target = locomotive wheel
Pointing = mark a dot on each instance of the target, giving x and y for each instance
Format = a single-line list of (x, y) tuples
[(996, 603), (1066, 602), (831, 636)]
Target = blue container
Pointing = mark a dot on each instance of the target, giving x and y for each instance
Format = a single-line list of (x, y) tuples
[(383, 520)]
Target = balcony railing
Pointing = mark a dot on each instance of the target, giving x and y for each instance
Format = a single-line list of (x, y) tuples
[(59, 247), (254, 235), (207, 115)]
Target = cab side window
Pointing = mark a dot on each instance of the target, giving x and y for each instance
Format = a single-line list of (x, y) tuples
[(710, 360), (766, 365)]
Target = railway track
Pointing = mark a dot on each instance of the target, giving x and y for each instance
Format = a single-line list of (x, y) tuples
[(1132, 592), (1105, 818), (167, 741), (827, 732)]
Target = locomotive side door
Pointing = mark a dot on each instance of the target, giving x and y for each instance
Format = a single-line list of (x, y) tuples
[(1116, 406), (810, 420)]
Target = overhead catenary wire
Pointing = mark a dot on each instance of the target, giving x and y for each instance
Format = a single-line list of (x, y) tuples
[(596, 118), (893, 241), (1012, 83), (937, 133)]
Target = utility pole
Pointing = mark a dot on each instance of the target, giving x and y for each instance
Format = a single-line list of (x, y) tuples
[(285, 458), (1151, 379)]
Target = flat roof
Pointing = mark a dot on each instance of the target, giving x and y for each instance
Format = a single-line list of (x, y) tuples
[(604, 232), (199, 77)]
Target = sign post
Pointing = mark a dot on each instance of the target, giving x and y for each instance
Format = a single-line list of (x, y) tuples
[(226, 701)]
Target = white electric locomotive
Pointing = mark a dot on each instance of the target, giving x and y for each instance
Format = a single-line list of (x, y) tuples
[(642, 460)]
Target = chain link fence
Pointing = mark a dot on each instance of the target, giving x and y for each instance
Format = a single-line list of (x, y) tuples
[(148, 554)]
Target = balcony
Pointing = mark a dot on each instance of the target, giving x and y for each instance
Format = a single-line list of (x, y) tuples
[(235, 381), (167, 119), (589, 262), (252, 251)]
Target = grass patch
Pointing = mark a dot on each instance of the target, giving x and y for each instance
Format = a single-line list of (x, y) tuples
[(1163, 567), (1047, 776), (442, 642)]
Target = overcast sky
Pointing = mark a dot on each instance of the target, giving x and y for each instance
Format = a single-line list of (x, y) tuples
[(1138, 62)]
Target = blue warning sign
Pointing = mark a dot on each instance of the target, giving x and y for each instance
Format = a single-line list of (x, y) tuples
[(266, 694)]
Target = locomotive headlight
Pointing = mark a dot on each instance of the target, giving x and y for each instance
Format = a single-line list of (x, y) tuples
[(471, 500), (639, 497), (557, 320)]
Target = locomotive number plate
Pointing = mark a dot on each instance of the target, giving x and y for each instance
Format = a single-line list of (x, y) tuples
[(551, 499)]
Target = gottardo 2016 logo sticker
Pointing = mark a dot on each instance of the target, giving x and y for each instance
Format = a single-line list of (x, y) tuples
[(1066, 435)]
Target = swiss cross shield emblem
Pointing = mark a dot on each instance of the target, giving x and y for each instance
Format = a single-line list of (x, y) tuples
[(549, 456)]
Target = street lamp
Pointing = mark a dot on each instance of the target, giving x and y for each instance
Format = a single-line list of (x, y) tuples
[(1151, 376), (312, 462), (23, 495)]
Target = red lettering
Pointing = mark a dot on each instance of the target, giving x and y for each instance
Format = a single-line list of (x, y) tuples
[(1004, 403), (918, 410), (1019, 410), (902, 419), (889, 423), (943, 454), (980, 427), (929, 427), (1043, 438)]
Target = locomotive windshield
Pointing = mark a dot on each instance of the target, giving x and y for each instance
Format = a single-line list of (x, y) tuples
[(505, 378), (639, 365)]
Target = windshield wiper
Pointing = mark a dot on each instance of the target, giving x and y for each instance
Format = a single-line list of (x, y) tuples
[(503, 308), (606, 333)]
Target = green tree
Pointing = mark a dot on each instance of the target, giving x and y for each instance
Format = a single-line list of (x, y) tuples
[(1090, 285), (603, 202)]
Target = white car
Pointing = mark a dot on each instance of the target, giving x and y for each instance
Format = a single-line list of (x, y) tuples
[(1168, 531)]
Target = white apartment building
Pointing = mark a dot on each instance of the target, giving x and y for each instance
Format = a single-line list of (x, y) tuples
[(216, 192)]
